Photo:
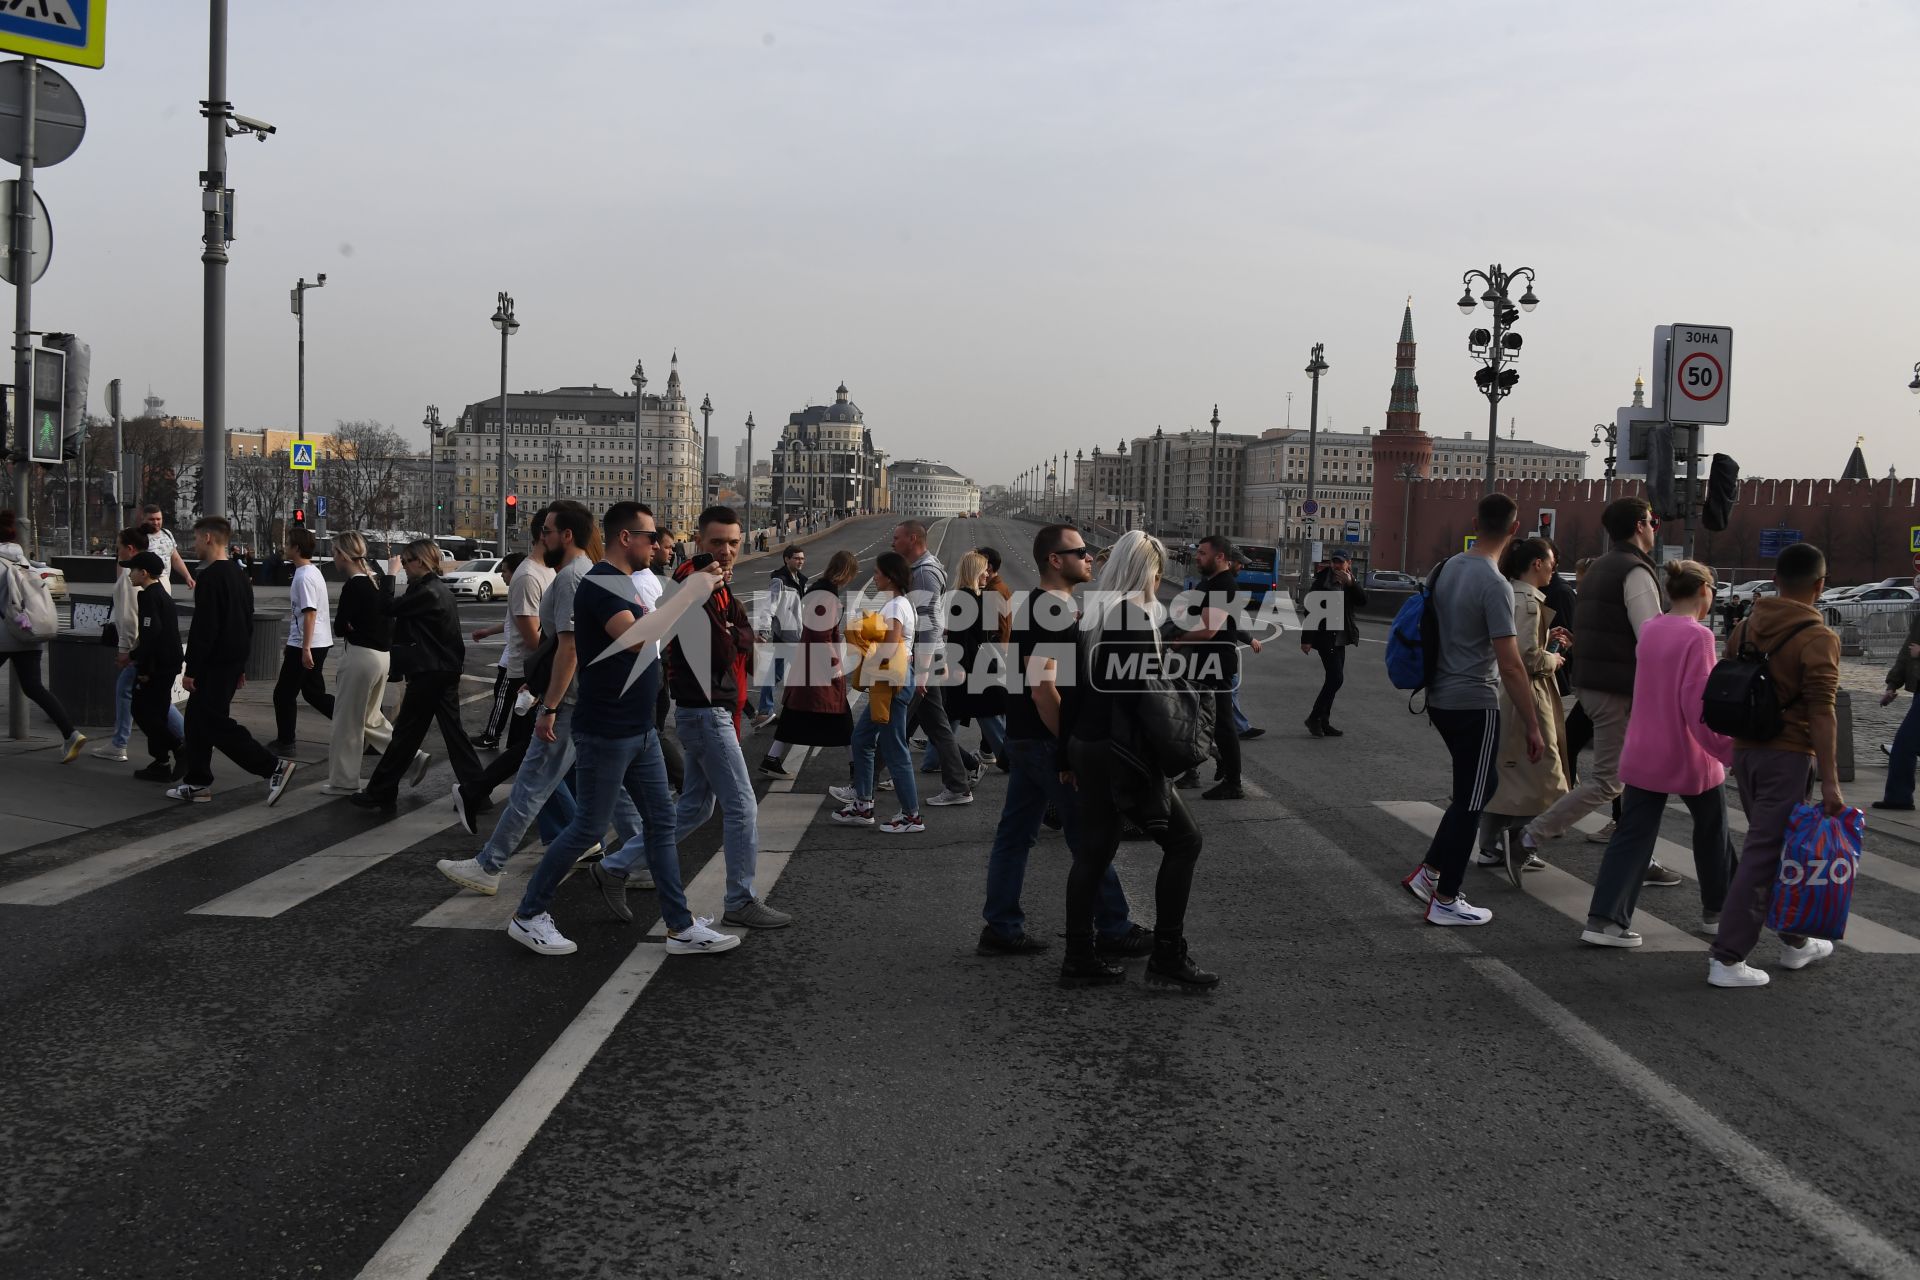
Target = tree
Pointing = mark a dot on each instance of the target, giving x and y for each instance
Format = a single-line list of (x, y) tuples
[(261, 490), (362, 478)]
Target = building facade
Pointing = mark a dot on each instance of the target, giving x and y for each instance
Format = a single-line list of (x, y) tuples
[(579, 442), (824, 463), (1188, 484), (931, 490)]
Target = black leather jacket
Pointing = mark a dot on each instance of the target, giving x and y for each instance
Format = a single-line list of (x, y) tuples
[(427, 619)]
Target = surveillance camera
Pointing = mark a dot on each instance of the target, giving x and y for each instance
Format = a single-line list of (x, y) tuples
[(323, 277), (258, 128)]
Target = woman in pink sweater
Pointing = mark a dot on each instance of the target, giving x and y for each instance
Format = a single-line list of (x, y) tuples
[(1668, 752)]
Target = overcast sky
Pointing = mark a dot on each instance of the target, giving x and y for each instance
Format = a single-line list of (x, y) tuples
[(1015, 228)]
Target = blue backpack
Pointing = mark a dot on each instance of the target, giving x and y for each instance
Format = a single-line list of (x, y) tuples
[(1413, 645)]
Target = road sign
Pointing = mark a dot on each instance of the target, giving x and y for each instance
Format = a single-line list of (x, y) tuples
[(1466, 543), (49, 406), (1699, 372), (1310, 508), (1353, 531), (59, 117), (1913, 539), (72, 31), (320, 505), (42, 233), (1774, 541), (300, 457)]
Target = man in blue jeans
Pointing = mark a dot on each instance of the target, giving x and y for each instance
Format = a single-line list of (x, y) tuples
[(706, 671), (617, 746), (1041, 653)]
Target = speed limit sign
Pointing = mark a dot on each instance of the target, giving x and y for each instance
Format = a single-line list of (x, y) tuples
[(1699, 371)]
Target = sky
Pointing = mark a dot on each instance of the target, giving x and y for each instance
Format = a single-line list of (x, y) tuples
[(1014, 228)]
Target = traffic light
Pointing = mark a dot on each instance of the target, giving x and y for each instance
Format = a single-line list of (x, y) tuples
[(1546, 521), (299, 518), (513, 508)]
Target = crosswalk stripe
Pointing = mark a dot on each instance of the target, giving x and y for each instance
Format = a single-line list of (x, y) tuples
[(65, 883), (1863, 933), (1567, 894), (783, 821), (1872, 865), (468, 910), (291, 885)]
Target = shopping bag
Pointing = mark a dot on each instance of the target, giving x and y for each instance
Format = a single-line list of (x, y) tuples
[(1814, 889)]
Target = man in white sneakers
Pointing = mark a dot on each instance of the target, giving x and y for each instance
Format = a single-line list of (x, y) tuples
[(303, 663), (1476, 655)]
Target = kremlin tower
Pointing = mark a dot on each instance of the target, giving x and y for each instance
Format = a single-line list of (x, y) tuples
[(1401, 445)]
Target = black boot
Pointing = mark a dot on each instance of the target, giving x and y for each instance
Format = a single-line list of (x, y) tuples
[(1313, 726), (1082, 968), (1171, 966)]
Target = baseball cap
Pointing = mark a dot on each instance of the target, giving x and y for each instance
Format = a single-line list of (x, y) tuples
[(1341, 556), (148, 561)]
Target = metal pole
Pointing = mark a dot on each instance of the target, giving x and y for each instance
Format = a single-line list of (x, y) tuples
[(119, 459), (1213, 482), (639, 404), (23, 264), (1693, 480), (82, 489), (500, 511), (213, 409), (300, 408), (1493, 403), (747, 492)]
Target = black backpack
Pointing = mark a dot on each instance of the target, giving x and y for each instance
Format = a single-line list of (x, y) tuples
[(1740, 699)]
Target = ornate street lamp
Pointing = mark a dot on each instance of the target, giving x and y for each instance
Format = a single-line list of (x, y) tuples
[(1496, 348), (503, 321), (1608, 433), (639, 380), (434, 434)]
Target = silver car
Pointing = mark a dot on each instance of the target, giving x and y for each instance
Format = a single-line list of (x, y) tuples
[(476, 580)]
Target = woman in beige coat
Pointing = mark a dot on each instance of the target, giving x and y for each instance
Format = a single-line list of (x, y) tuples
[(1528, 789)]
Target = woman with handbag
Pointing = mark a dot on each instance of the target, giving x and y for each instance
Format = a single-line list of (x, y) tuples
[(428, 652), (813, 705), (979, 697), (1127, 729), (24, 594), (365, 633), (882, 727)]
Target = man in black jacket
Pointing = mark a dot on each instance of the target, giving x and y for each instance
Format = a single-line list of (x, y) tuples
[(1336, 626), (155, 661), (1218, 641), (218, 643)]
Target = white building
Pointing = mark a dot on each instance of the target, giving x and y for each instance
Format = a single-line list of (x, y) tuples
[(930, 490)]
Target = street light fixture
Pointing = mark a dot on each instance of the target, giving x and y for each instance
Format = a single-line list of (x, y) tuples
[(706, 445), (748, 491), (434, 431), (1213, 474), (639, 380), (503, 321), (1316, 365), (1498, 347), (1607, 433), (1914, 386)]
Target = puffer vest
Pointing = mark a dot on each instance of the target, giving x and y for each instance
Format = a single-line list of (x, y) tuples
[(1602, 628)]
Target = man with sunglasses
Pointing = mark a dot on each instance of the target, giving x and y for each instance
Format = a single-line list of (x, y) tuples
[(1623, 591)]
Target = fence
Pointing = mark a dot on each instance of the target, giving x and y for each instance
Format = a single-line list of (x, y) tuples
[(1875, 637)]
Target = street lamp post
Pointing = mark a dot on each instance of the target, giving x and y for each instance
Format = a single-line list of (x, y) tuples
[(706, 445), (1409, 476), (503, 321), (1914, 386), (300, 395), (432, 423), (747, 492), (639, 380), (1213, 474), (1316, 365), (1498, 347), (1608, 433)]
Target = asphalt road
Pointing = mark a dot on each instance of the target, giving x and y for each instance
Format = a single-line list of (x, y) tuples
[(328, 1086)]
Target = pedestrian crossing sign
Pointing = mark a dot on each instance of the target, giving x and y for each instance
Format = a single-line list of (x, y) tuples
[(73, 31), (301, 457), (1466, 543), (1913, 539)]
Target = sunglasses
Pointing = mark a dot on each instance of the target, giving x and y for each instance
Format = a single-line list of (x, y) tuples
[(1085, 553), (648, 534), (1652, 522)]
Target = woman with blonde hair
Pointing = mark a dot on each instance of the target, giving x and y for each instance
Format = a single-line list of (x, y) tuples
[(1117, 778), (1528, 788), (980, 697), (886, 739), (365, 632), (1669, 751), (813, 702)]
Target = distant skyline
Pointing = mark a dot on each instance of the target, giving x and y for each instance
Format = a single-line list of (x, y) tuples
[(1013, 229)]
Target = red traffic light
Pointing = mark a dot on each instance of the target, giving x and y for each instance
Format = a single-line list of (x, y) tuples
[(299, 517), (513, 500)]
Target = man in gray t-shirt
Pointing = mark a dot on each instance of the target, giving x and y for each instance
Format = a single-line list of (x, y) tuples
[(556, 611), (1473, 605)]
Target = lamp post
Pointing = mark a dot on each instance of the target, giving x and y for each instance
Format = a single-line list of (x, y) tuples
[(300, 393), (432, 423), (748, 491), (1498, 347), (1316, 365), (1914, 386), (706, 446), (1608, 433), (503, 321), (1409, 476), (1213, 473), (639, 380)]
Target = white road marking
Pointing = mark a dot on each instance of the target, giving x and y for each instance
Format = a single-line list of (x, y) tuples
[(291, 885)]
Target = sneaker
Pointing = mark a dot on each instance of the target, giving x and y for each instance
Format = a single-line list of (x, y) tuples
[(281, 746), (845, 795), (588, 856), (1328, 730), (1516, 858), (762, 721), (1252, 733), (886, 784), (368, 800), (1420, 884), (1224, 791), (951, 797), (463, 810), (1605, 933), (540, 934), (1188, 780), (1737, 974), (994, 943), (277, 781), (189, 793), (904, 824), (700, 939), (1805, 954), (986, 756), (1534, 862), (770, 765), (1886, 749), (1131, 945), (421, 761), (613, 891), (1457, 912), (470, 873), (111, 752), (757, 915), (158, 771), (1893, 805), (1605, 834), (1664, 877), (976, 773), (75, 741), (1090, 971), (854, 815), (482, 742), (1710, 923), (1313, 727), (1489, 858)]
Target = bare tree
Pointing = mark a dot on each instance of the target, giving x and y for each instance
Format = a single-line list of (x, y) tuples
[(362, 479), (262, 490)]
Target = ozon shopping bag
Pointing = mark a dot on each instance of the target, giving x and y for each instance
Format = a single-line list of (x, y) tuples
[(1814, 889)]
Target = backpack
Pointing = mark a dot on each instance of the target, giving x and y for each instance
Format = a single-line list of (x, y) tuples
[(1741, 700), (1413, 645), (29, 612)]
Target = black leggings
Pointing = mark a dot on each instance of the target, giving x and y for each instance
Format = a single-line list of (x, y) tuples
[(26, 665), (297, 682), (1107, 796)]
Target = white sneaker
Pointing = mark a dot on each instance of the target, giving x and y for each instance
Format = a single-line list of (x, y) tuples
[(277, 781), (75, 741), (190, 794), (701, 939), (903, 824), (1457, 912), (421, 761), (1420, 883), (843, 795), (1610, 934), (1802, 956), (1737, 974), (468, 873), (886, 784), (951, 797), (109, 752), (540, 934), (1489, 858), (854, 815)]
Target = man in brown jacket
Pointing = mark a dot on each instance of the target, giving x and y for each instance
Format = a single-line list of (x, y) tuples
[(1775, 776)]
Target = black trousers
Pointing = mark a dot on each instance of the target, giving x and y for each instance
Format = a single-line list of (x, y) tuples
[(1226, 738), (295, 683), (519, 732), (152, 698), (1473, 744), (211, 726), (1333, 661), (431, 697), (26, 664), (1106, 799), (500, 715)]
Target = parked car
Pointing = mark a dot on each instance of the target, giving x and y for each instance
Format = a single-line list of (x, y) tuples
[(56, 579), (1391, 580), (1748, 592), (1834, 595), (1871, 601), (476, 580)]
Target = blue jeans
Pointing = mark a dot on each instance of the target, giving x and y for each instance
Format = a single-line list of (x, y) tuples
[(123, 710), (1906, 749), (889, 741), (557, 813), (1240, 722), (993, 733), (541, 775), (1032, 785), (717, 776), (776, 672), (620, 779)]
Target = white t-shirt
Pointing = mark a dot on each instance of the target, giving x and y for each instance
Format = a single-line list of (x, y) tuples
[(530, 583), (900, 610), (647, 585), (163, 545), (309, 591)]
